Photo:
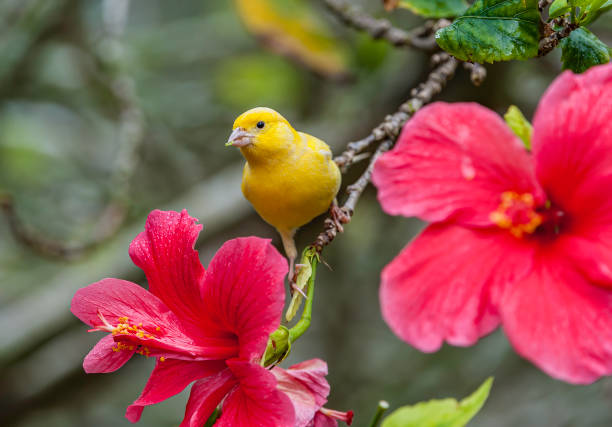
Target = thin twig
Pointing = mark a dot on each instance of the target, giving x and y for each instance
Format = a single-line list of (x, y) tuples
[(478, 73), (421, 38), (387, 132), (392, 125), (552, 37)]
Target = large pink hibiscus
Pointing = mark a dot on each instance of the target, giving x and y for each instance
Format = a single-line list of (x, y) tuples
[(208, 326), (518, 239)]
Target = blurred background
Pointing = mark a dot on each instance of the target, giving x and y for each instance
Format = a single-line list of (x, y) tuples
[(109, 109)]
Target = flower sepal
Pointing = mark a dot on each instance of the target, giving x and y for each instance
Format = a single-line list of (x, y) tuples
[(279, 347)]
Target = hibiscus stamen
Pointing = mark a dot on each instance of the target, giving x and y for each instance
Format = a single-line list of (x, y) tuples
[(119, 346), (347, 417), (517, 214), (125, 328)]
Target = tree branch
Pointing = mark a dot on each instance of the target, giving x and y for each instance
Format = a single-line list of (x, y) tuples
[(420, 38), (552, 37), (478, 73), (387, 132), (392, 125)]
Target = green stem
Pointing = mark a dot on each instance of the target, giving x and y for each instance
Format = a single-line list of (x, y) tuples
[(213, 418), (304, 323), (383, 405)]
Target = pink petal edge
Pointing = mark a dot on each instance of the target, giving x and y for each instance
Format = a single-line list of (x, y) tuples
[(453, 162), (441, 287)]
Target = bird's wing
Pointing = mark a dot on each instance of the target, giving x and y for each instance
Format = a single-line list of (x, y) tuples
[(317, 146)]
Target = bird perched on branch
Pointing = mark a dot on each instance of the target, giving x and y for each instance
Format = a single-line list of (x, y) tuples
[(289, 176)]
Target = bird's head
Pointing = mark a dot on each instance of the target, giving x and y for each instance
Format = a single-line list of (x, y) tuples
[(262, 133)]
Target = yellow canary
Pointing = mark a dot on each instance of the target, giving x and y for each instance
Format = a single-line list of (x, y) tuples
[(289, 176)]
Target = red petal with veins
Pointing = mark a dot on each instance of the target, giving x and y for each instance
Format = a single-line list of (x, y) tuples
[(256, 402), (452, 162), (106, 357), (165, 253), (574, 163), (560, 322), (205, 395), (443, 285), (170, 377), (114, 299), (244, 294)]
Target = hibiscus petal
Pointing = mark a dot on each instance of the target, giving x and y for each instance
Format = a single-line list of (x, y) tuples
[(443, 285), (244, 293), (106, 357), (108, 303), (560, 322), (170, 377), (205, 395), (572, 141), (322, 420), (256, 402), (165, 252), (453, 161), (306, 386), (591, 253)]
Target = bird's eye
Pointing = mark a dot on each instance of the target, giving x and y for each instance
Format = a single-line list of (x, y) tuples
[(260, 125)]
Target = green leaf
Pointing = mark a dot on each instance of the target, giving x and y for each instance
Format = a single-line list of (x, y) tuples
[(440, 413), (494, 30), (594, 10), (558, 8), (582, 50), (519, 125), (435, 8)]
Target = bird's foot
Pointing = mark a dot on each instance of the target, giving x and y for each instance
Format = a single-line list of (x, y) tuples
[(339, 216)]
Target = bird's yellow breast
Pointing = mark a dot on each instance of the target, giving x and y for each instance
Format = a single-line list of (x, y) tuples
[(289, 192)]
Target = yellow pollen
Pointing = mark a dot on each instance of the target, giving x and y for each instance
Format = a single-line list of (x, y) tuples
[(144, 351), (516, 214), (122, 346), (162, 359), (125, 328)]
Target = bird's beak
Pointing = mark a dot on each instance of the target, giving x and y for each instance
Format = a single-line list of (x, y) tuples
[(240, 138)]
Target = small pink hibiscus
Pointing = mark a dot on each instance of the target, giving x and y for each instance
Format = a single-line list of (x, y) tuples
[(208, 326), (306, 386), (518, 239)]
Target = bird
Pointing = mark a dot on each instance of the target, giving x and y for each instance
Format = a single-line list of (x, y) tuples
[(289, 177)]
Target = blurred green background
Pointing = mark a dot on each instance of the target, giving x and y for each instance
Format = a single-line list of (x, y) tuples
[(109, 109)]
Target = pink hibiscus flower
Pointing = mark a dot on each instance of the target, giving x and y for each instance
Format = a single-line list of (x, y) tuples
[(518, 239), (306, 386), (208, 326)]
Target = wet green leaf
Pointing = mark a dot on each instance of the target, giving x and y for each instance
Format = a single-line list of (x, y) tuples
[(435, 8), (582, 50), (440, 413), (493, 30)]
